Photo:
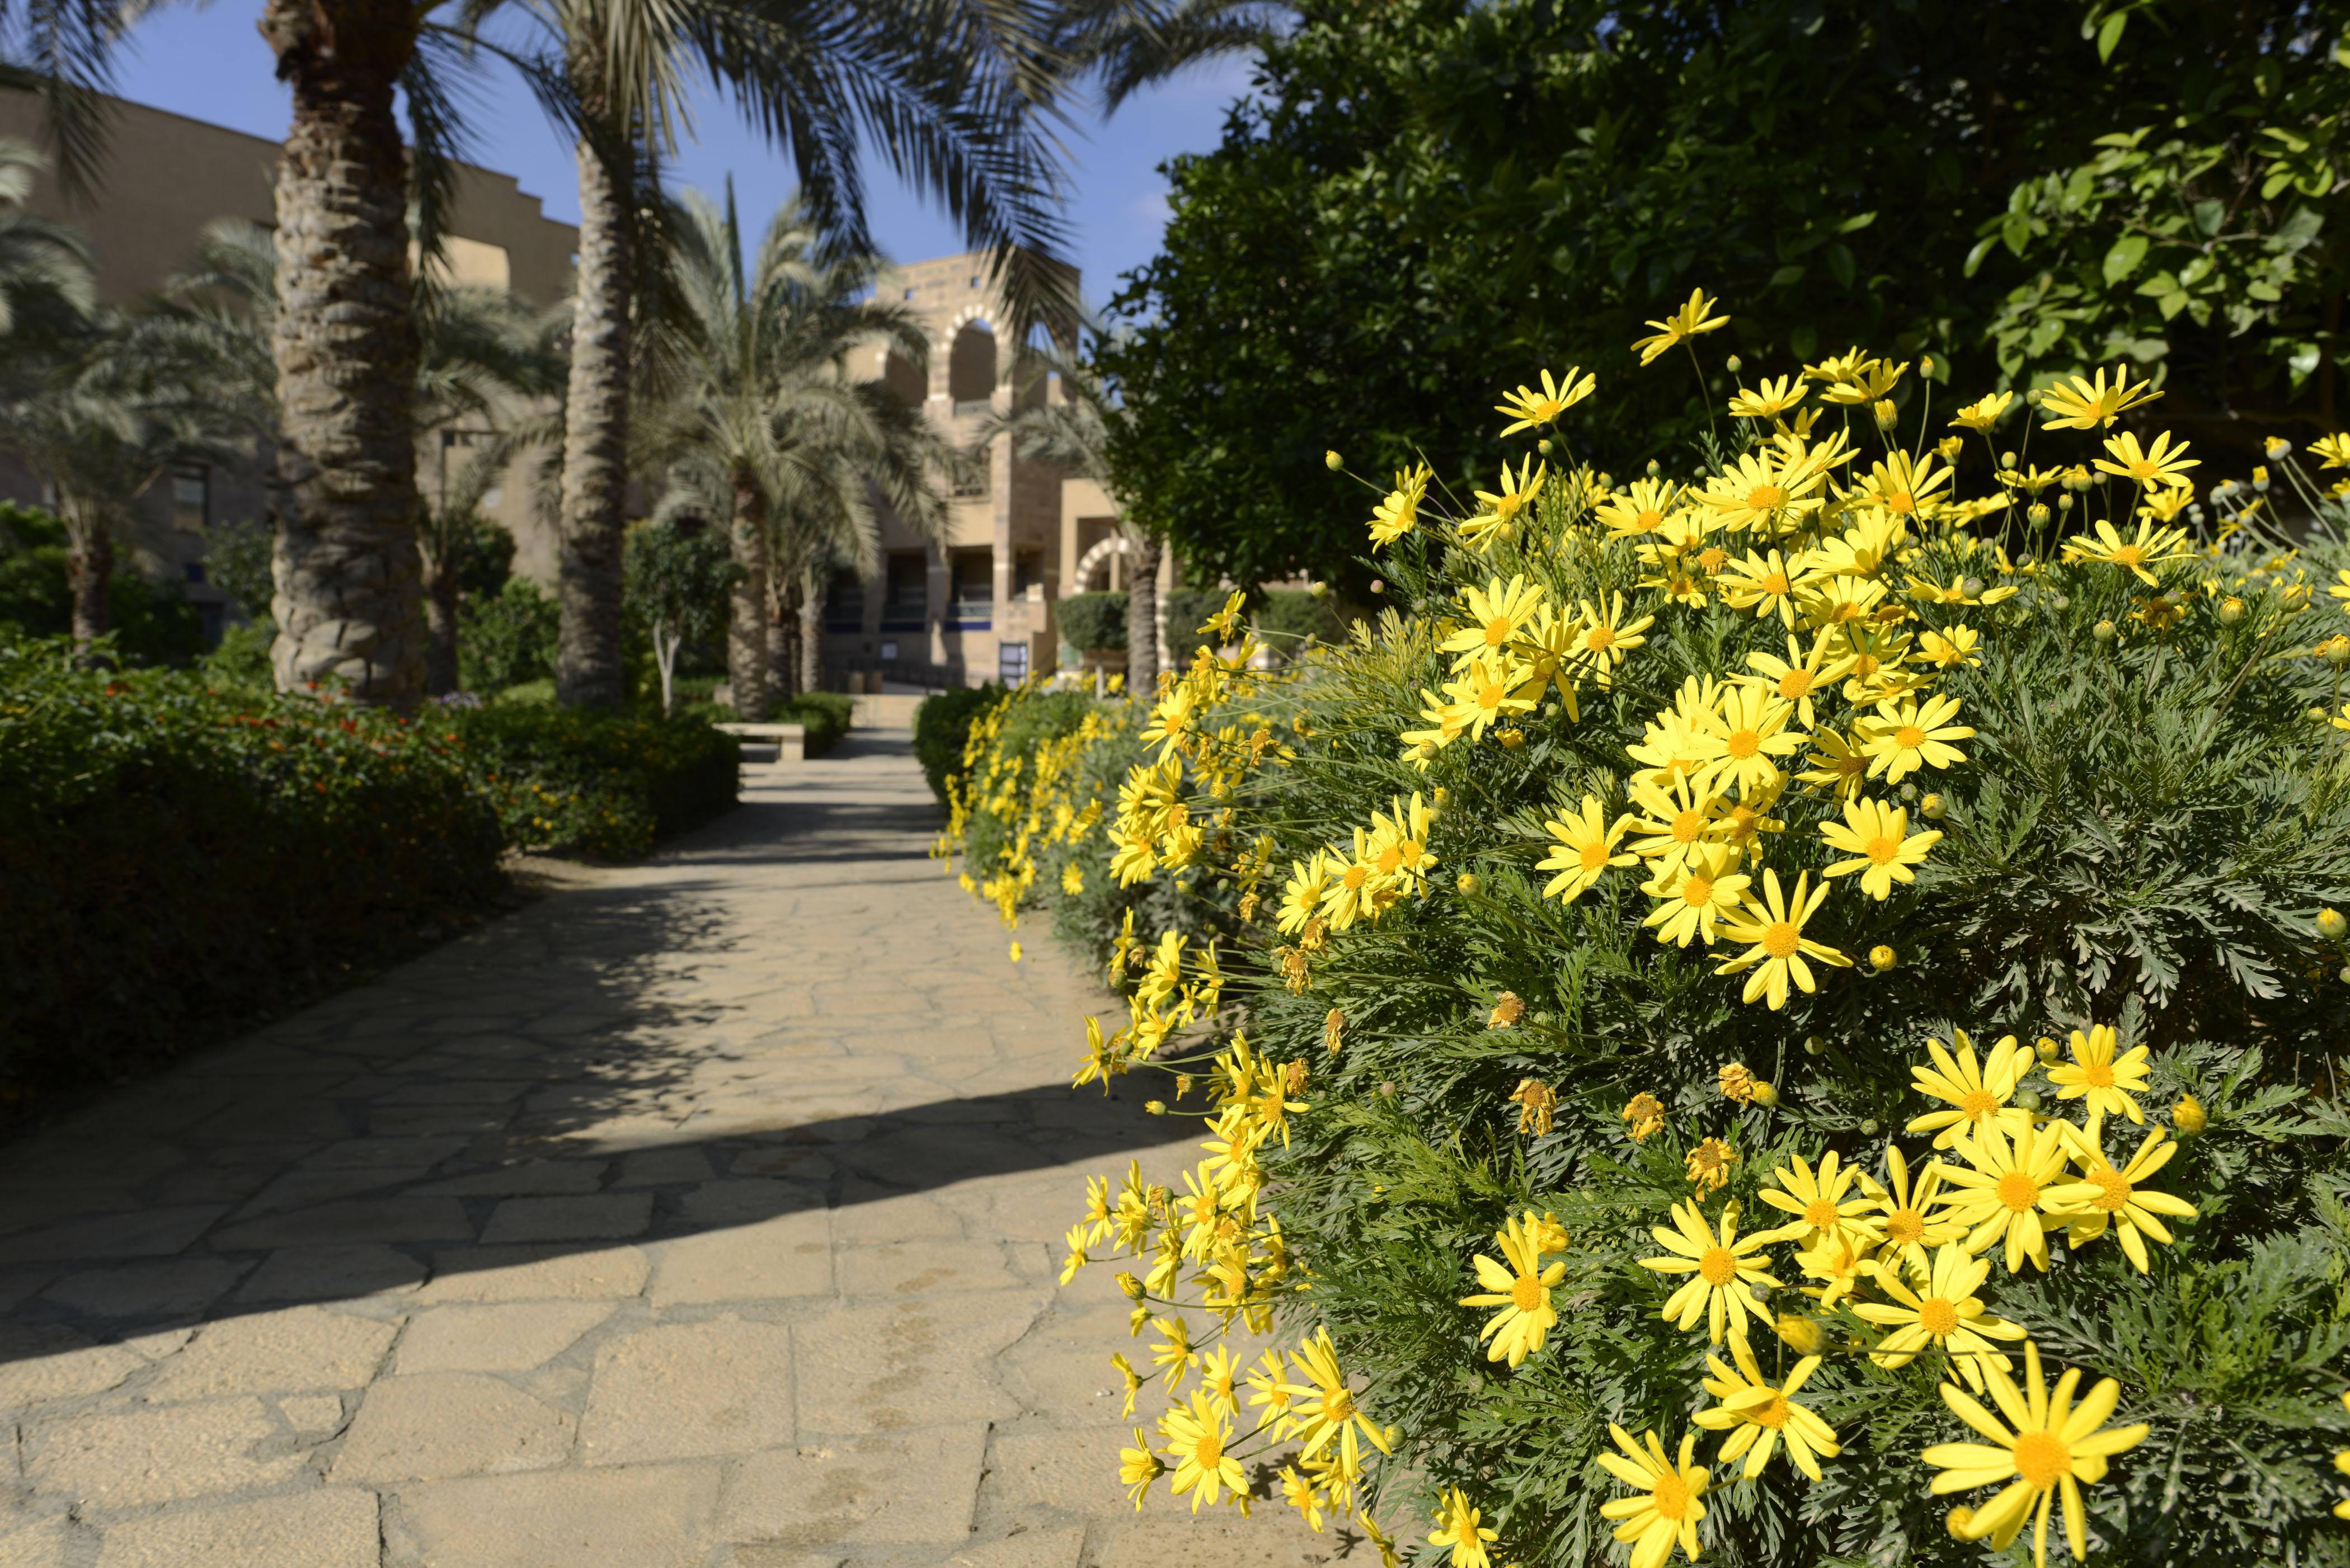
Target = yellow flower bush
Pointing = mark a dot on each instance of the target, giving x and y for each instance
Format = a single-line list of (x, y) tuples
[(1579, 979)]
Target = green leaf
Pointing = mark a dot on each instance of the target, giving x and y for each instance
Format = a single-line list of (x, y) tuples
[(2208, 216), (1840, 264), (2109, 36), (2123, 259), (1857, 222), (1785, 276), (1975, 256)]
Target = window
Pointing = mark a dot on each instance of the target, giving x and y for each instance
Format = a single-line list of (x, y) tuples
[(1027, 572), (192, 497), (909, 294), (974, 477), (1011, 662), (843, 603), (910, 585), (975, 584)]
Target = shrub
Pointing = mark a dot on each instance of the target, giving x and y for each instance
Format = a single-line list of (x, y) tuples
[(942, 726), (152, 622), (177, 863), (1091, 622), (826, 715), (2080, 792), (601, 785), (508, 637)]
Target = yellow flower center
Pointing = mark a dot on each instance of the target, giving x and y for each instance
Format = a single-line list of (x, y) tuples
[(1820, 1213), (1490, 697), (1905, 1226), (1390, 857), (1764, 498), (1648, 521), (1938, 1318), (1909, 737), (1794, 683), (1774, 585), (1601, 637), (2128, 556), (1497, 630), (1209, 1451), (1594, 856), (1355, 875), (1979, 1104), (1718, 1267), (2043, 1458), (1507, 506), (1338, 1404), (1866, 665), (2113, 1189), (1742, 745), (1672, 1496), (2098, 1074), (1409, 848), (1698, 892), (1773, 1415), (1712, 558), (1842, 611), (1901, 501), (1884, 850), (2143, 470), (1688, 826), (1781, 940), (2018, 1191), (1527, 1293)]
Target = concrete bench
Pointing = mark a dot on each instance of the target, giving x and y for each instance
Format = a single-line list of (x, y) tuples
[(786, 742)]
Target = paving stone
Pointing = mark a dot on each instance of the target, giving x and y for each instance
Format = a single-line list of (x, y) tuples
[(649, 1517), (593, 1218), (913, 1488), (335, 1528), (1028, 1548), (890, 1366), (292, 1351), (535, 1273), (332, 1273), (742, 1200), (36, 1542), (399, 1218), (147, 1290), (446, 1424), (530, 1179), (919, 1268), (148, 1457), (312, 1412), (148, 1233), (41, 1361), (689, 1390), (776, 1259), (663, 1168), (509, 1338)]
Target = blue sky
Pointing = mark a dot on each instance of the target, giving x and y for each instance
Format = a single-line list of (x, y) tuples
[(211, 64)]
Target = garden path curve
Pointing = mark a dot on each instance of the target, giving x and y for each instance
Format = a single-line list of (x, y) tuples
[(702, 1214)]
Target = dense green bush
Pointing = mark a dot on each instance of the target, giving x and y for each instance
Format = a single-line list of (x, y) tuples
[(601, 784), (507, 638), (942, 726), (1289, 620), (2143, 827), (176, 863), (1090, 622), (826, 715), (152, 622)]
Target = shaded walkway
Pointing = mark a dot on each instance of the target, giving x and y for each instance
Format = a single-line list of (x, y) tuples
[(703, 1213)]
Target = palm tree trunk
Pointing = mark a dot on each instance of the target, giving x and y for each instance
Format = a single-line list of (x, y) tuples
[(780, 643), (746, 628), (89, 570), (349, 602), (812, 634), (439, 625), (588, 669), (1142, 615)]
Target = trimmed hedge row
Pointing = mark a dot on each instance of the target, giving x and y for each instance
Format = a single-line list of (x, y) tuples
[(178, 861)]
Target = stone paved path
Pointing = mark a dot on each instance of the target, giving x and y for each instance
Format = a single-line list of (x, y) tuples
[(703, 1215)]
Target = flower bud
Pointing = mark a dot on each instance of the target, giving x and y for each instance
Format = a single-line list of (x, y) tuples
[(1933, 807), (2059, 601), (1926, 364), (1542, 446), (1333, 461), (2231, 611), (2037, 514), (2047, 1050), (1971, 586), (2331, 924), (1950, 447), (1734, 364), (1377, 586), (2188, 1118), (2343, 976), (1814, 1044), (1466, 882), (2275, 447), (1959, 1521), (2007, 460), (1655, 468), (1765, 1093), (2064, 504), (1154, 1107), (1132, 1286), (2336, 651), (2102, 631), (1801, 1334), (1869, 1127), (1882, 956), (2296, 596), (1887, 416), (2028, 1099)]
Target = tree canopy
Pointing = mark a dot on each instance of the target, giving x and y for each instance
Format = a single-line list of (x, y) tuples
[(1420, 199)]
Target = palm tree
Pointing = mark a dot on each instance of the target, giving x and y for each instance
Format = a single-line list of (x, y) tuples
[(1073, 431), (46, 266), (757, 422), (488, 367), (952, 97)]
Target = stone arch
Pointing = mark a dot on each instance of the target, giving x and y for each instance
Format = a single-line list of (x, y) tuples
[(972, 362), (1097, 561), (902, 378)]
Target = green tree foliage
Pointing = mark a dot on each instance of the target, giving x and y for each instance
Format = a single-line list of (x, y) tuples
[(1420, 191), (678, 579)]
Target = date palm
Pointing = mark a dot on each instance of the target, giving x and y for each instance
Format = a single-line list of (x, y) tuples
[(952, 97), (757, 422)]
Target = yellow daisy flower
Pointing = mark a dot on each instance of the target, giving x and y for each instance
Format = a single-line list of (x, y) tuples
[(1766, 583), (1665, 1505), (1138, 1467), (1497, 613), (1457, 1526), (1757, 1416), (1607, 636), (1582, 846), (1908, 1214), (1798, 677), (2002, 1191), (1837, 766), (1906, 736), (1872, 833), (2151, 546), (1195, 1439), (2111, 1084), (1694, 895), (1678, 821), (1723, 1272), (1977, 1094), (1486, 691), (1640, 510), (1326, 1410), (1739, 739), (1695, 316), (1529, 408), (1767, 400), (1499, 509), (2053, 1450), (1399, 514), (1943, 1312), (1984, 412), (2116, 1197), (1521, 1289), (2162, 466), (2082, 404), (1819, 1203), (1775, 927)]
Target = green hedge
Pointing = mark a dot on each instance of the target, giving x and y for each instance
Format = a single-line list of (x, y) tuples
[(601, 784), (826, 715), (942, 726), (1092, 621), (176, 863)]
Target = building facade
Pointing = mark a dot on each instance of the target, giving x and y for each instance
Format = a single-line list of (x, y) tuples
[(165, 177), (977, 606)]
